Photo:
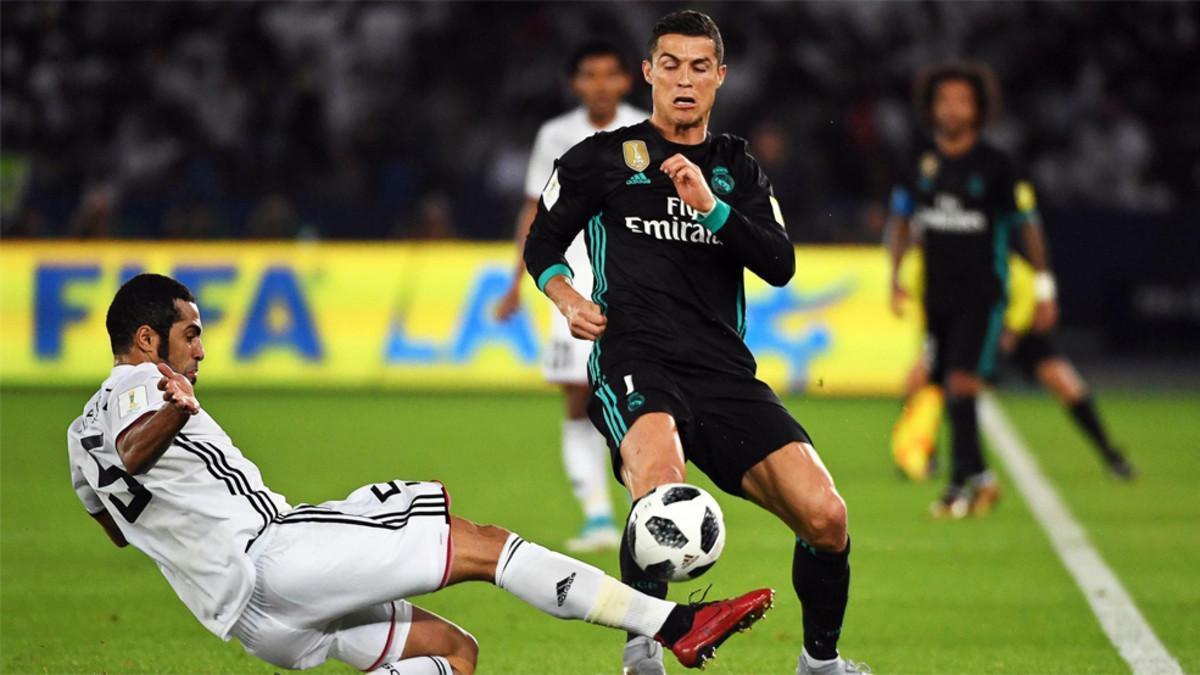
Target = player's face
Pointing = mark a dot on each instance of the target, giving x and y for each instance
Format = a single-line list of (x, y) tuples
[(601, 84), (185, 350), (684, 77), (954, 107)]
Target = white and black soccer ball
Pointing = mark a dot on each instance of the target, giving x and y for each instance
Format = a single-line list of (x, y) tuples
[(676, 532)]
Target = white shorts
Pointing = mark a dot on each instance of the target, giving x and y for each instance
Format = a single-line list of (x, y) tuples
[(331, 578), (565, 358)]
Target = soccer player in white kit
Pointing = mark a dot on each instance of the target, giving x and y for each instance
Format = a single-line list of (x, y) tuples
[(600, 78), (298, 585)]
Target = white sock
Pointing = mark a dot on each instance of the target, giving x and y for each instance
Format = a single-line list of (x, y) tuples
[(818, 663), (417, 665), (569, 589), (586, 462)]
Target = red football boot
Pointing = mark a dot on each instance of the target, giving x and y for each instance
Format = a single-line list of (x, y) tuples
[(714, 622)]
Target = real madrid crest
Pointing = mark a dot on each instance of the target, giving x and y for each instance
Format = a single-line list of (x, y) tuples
[(722, 183), (637, 157)]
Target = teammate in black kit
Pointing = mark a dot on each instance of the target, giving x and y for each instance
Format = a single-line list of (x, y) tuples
[(673, 215), (964, 198)]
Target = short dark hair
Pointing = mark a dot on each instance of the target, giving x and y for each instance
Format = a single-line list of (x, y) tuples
[(145, 300), (978, 76), (687, 22), (594, 48)]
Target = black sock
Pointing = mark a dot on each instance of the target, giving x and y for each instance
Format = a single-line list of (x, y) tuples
[(822, 582), (964, 434), (1084, 412), (678, 623), (633, 576)]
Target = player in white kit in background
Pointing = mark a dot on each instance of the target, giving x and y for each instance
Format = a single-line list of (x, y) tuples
[(599, 76), (300, 585)]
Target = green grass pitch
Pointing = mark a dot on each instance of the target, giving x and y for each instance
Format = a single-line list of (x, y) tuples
[(964, 597)]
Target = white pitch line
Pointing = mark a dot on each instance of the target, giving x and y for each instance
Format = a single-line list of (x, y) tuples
[(1119, 617)]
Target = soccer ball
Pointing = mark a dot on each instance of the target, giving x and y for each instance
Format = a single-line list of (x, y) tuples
[(676, 532)]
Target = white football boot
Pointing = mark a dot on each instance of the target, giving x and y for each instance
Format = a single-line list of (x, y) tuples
[(838, 666), (643, 656)]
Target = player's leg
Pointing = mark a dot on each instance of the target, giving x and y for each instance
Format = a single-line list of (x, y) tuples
[(569, 589), (586, 464), (1059, 376), (794, 484), (318, 565), (397, 638), (651, 455), (639, 409), (970, 357), (751, 447)]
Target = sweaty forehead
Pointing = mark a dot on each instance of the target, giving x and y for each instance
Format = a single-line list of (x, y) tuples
[(189, 313), (685, 47)]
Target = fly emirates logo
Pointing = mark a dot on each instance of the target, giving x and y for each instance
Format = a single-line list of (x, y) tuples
[(679, 225), (948, 215)]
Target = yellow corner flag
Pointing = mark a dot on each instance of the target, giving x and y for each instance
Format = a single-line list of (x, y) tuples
[(914, 437)]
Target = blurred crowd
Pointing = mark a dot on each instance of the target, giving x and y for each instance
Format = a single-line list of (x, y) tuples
[(414, 120)]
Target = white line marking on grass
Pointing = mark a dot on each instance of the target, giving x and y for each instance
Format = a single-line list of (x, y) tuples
[(1114, 609)]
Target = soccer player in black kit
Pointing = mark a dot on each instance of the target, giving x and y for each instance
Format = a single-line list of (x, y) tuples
[(964, 198), (673, 215)]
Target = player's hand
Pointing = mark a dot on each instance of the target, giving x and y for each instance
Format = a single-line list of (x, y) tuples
[(689, 183), (510, 302), (899, 299), (1045, 315), (177, 390), (585, 319)]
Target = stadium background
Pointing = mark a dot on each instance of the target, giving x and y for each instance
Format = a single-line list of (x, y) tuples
[(338, 181)]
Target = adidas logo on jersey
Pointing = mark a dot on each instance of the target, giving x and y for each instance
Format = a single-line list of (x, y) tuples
[(564, 587), (638, 178)]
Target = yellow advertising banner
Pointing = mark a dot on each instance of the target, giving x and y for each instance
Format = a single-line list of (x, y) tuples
[(409, 315)]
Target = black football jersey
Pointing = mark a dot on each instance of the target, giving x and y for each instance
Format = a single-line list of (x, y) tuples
[(669, 279), (962, 210)]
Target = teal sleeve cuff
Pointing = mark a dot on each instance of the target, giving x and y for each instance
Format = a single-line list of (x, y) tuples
[(716, 218), (551, 272)]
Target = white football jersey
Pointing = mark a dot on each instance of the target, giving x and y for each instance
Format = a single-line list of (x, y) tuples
[(195, 512), (555, 137)]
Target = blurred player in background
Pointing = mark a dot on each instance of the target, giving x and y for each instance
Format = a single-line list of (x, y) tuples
[(674, 217), (300, 585), (600, 78), (1037, 357), (963, 197)]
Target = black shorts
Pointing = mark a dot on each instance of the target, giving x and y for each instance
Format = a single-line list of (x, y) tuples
[(964, 340), (1032, 349), (727, 424)]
